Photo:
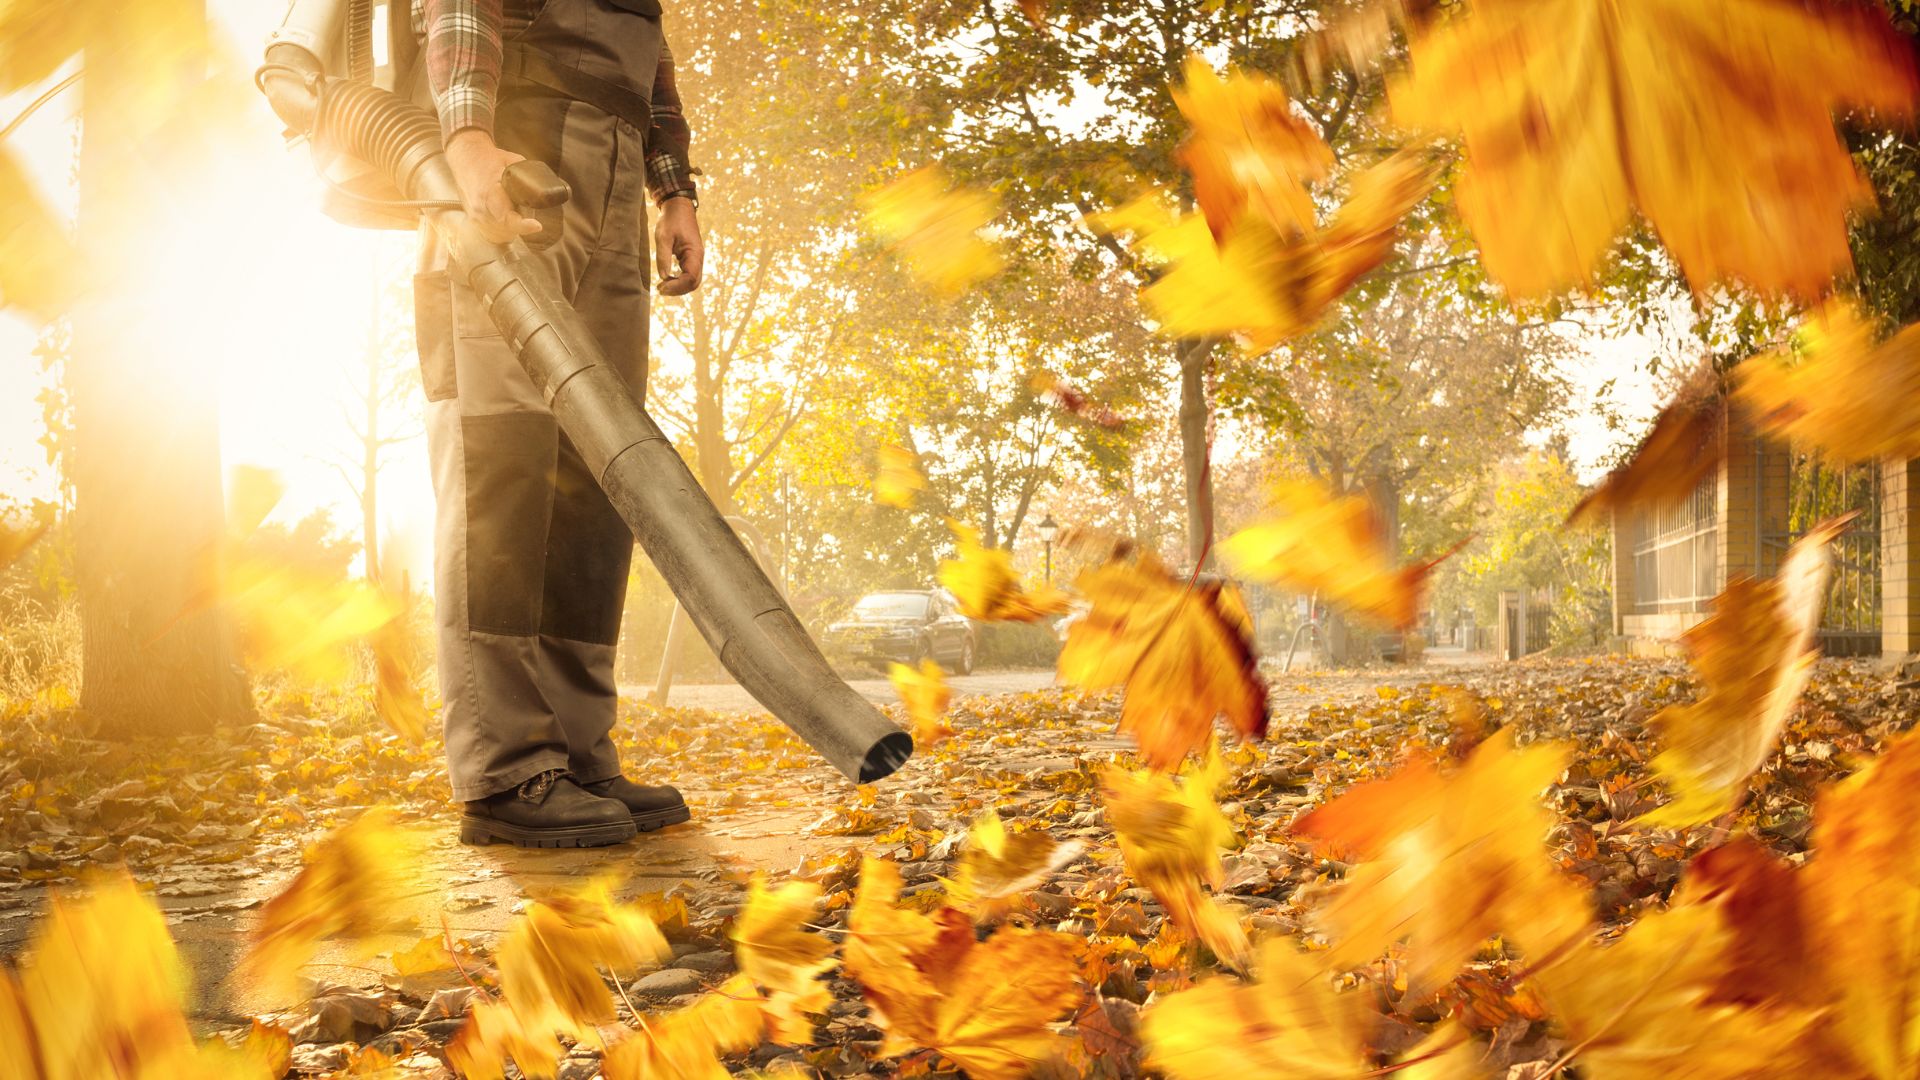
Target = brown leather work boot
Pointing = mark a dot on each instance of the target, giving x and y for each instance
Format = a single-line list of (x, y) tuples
[(652, 807), (549, 810)]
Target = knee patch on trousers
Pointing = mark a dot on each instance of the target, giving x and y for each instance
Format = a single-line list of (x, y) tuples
[(510, 463)]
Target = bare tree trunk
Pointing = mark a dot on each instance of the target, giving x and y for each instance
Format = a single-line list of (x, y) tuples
[(1194, 355), (148, 515)]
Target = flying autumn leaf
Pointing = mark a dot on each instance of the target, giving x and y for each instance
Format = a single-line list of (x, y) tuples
[(494, 1035), (1846, 393), (396, 688), (1290, 1023), (15, 542), (1182, 649), (1475, 837), (1638, 1008), (1862, 893), (1257, 284), (935, 228), (773, 948), (983, 581), (1754, 654), (551, 957), (1249, 151), (686, 1043), (1063, 395), (985, 1004), (1575, 114), (1769, 954), (925, 693), (350, 882), (998, 865), (1682, 448), (899, 480), (1171, 834), (1335, 545)]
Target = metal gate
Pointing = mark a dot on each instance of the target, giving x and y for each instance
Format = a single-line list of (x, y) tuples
[(1815, 491)]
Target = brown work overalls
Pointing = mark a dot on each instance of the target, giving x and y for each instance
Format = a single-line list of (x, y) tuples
[(530, 560)]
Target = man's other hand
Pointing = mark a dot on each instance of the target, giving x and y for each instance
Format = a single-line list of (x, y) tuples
[(676, 240), (477, 167)]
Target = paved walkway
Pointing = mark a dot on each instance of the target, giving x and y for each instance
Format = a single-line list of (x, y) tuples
[(729, 697)]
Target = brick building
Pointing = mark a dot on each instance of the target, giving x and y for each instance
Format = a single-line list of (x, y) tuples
[(1669, 562)]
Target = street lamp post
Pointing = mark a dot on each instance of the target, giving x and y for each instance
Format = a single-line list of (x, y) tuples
[(1049, 528)]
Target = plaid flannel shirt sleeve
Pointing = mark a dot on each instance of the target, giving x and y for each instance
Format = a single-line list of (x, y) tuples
[(668, 167), (463, 55)]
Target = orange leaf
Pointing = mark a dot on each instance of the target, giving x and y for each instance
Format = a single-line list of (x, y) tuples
[(1184, 652), (898, 481), (1475, 837), (1170, 835), (1291, 1023), (985, 1004), (1576, 113), (935, 229), (1248, 150), (1679, 451), (997, 865), (686, 1044), (925, 693), (774, 950)]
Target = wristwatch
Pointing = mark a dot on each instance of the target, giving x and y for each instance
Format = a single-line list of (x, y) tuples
[(688, 194)]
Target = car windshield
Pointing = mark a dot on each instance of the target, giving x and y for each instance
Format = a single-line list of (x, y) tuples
[(892, 606)]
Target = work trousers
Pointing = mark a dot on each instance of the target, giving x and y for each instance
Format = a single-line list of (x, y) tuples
[(530, 559)]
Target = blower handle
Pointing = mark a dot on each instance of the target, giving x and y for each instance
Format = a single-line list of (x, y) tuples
[(538, 193)]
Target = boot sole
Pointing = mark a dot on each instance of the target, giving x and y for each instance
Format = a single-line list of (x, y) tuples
[(654, 820), (482, 831)]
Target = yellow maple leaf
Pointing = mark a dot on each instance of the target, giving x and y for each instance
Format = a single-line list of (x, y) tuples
[(1291, 1023), (1248, 150), (1335, 545), (350, 882), (297, 620), (1258, 284), (1754, 654), (1171, 833), (983, 581), (1639, 1007), (985, 1004), (1862, 896), (935, 228), (492, 1036), (1182, 649), (1848, 394), (775, 951), (925, 693), (551, 957), (1576, 113), (1448, 861), (1681, 448), (686, 1044), (998, 865), (899, 480)]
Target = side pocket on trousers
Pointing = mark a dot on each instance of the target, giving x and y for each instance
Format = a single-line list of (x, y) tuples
[(433, 329)]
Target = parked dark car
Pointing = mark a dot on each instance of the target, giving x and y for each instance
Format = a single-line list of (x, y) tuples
[(907, 625)]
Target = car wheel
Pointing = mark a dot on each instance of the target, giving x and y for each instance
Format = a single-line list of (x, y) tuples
[(965, 666)]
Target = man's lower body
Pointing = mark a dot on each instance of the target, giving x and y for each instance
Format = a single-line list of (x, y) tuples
[(531, 560)]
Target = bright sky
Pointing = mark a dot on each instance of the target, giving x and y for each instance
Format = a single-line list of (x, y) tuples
[(288, 295)]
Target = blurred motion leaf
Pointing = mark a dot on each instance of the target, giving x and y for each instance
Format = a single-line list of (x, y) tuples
[(1170, 834), (1754, 655), (1448, 861), (1291, 1023), (1248, 150), (351, 879), (774, 949), (1575, 114), (1681, 448), (1848, 394), (686, 1044), (925, 693), (1182, 649), (898, 480), (983, 581), (935, 229), (1334, 545), (998, 865), (550, 958)]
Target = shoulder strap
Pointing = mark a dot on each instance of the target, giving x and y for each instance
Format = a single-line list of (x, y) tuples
[(531, 65)]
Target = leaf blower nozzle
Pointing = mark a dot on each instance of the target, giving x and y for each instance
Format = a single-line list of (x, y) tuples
[(729, 598)]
